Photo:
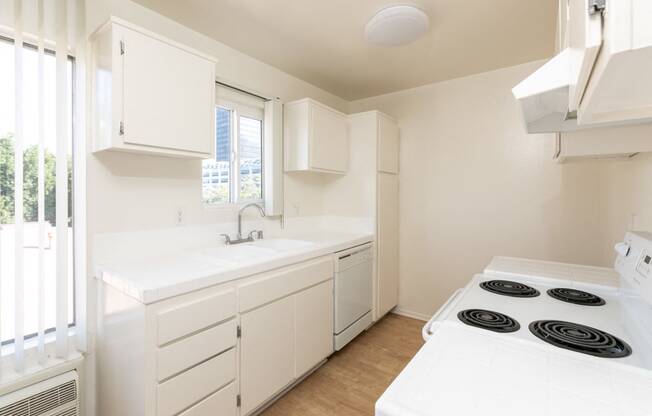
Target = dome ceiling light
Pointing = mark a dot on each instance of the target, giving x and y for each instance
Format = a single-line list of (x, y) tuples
[(396, 26)]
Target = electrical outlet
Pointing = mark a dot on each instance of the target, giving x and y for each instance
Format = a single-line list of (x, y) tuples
[(180, 217)]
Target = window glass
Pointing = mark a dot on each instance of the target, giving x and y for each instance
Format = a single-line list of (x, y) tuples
[(235, 175), (217, 172), (30, 190), (250, 142)]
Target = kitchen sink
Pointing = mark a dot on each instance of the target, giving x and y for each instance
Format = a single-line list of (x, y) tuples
[(238, 253), (281, 244)]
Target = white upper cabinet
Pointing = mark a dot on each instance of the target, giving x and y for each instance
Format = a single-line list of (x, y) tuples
[(316, 138), (603, 143), (584, 37), (151, 94), (620, 86)]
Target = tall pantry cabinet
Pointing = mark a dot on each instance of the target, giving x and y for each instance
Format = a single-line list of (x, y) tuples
[(375, 141)]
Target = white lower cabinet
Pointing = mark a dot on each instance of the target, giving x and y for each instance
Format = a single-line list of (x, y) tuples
[(183, 391), (266, 352), (217, 404), (313, 310), (282, 341), (182, 356), (284, 338)]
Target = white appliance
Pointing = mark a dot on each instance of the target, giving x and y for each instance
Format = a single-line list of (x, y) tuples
[(56, 396), (353, 294), (537, 338)]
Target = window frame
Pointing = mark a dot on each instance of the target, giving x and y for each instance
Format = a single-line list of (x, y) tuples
[(238, 110), (7, 346)]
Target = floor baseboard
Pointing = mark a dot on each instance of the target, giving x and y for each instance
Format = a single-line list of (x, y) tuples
[(411, 314)]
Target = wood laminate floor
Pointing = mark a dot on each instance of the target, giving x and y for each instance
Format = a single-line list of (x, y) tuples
[(352, 380)]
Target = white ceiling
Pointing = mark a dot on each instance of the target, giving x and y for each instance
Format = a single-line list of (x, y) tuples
[(322, 41)]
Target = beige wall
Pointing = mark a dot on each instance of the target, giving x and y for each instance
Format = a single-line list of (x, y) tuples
[(627, 199), (474, 185)]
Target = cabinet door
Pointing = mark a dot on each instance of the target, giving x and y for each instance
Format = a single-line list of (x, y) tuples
[(387, 242), (168, 95), (620, 87), (329, 141), (584, 34), (388, 145), (266, 352), (314, 326)]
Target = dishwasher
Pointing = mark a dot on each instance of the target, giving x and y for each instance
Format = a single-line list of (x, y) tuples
[(353, 295)]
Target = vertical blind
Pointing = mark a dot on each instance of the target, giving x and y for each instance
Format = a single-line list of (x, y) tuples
[(38, 291)]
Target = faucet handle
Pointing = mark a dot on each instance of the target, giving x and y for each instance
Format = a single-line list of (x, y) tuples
[(227, 238), (253, 235)]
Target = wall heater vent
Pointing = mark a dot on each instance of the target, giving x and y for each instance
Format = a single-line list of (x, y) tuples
[(57, 396)]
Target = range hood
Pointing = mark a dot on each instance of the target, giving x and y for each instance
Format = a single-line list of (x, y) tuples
[(544, 97)]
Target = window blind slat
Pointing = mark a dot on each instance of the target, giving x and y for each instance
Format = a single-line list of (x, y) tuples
[(79, 163), (19, 310), (6, 9), (41, 183), (62, 180)]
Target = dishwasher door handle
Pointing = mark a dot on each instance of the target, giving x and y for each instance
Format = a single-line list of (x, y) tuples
[(426, 332)]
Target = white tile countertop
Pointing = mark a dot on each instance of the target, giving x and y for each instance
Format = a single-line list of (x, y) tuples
[(156, 277), (462, 371)]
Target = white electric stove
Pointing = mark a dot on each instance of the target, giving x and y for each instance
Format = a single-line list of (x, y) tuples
[(537, 338)]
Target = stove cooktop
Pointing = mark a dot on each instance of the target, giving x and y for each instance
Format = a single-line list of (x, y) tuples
[(596, 319), (489, 320), (580, 338), (521, 290), (509, 288), (576, 296)]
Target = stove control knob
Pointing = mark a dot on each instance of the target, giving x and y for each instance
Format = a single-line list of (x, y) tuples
[(622, 249)]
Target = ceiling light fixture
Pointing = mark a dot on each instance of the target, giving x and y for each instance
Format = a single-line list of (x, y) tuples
[(396, 26)]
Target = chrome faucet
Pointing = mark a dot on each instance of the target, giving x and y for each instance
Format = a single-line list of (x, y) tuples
[(253, 235), (261, 210)]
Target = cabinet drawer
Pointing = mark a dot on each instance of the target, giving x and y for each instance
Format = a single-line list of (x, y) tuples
[(195, 315), (285, 282), (183, 354), (222, 403), (188, 388)]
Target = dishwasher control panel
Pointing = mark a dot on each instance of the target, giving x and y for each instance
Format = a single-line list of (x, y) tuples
[(349, 258)]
